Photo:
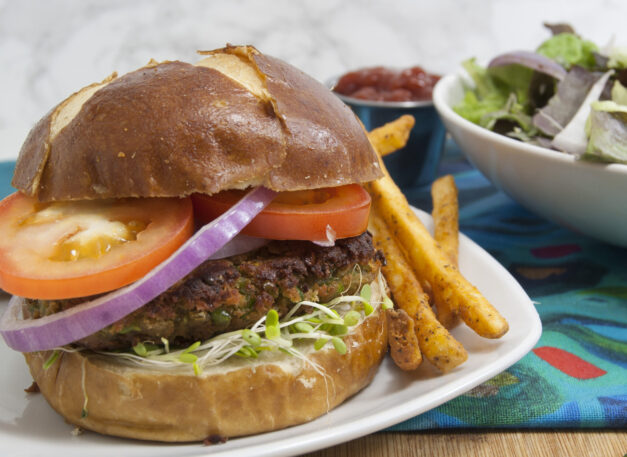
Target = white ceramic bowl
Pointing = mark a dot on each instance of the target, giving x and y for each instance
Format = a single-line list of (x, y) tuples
[(590, 198)]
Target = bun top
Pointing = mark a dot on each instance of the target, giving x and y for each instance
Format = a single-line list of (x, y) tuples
[(236, 119)]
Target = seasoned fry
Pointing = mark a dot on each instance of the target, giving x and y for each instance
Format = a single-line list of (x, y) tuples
[(436, 343), (445, 216), (431, 264), (392, 136), (402, 340), (446, 233)]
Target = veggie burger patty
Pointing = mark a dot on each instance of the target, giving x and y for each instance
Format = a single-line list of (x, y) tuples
[(233, 293)]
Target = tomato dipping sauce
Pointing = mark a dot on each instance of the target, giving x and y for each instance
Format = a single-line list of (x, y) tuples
[(385, 84)]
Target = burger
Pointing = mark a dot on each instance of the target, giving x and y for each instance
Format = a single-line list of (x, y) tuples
[(188, 251)]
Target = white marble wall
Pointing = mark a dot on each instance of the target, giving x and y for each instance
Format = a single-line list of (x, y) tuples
[(50, 48)]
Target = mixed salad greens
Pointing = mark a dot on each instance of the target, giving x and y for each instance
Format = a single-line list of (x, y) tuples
[(568, 95)]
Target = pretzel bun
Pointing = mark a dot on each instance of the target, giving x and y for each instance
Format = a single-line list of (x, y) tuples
[(239, 397), (237, 118)]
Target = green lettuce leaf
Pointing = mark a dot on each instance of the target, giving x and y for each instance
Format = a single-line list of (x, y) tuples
[(513, 79), (618, 57), (513, 112), (568, 49), (607, 131), (619, 93), (610, 106), (484, 84), (500, 93), (484, 98), (474, 109)]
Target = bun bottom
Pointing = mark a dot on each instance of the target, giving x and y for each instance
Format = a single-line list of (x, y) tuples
[(240, 397)]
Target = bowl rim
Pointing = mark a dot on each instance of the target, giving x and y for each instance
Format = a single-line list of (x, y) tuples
[(449, 81), (331, 82)]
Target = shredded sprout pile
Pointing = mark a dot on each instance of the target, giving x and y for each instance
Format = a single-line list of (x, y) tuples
[(322, 324)]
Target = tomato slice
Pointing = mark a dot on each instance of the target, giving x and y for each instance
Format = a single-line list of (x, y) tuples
[(75, 249), (299, 215)]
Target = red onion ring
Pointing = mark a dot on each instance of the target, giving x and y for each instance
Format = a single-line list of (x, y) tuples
[(87, 318), (241, 244), (531, 60)]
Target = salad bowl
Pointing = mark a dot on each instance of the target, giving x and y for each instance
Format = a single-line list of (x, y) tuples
[(584, 196)]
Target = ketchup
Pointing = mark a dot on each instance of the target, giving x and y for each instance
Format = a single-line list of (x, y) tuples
[(385, 84)]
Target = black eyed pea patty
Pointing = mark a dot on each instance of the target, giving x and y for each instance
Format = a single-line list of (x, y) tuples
[(233, 293)]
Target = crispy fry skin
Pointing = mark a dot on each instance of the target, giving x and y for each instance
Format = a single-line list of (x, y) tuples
[(391, 136), (431, 264), (402, 339), (445, 216), (436, 343), (446, 233)]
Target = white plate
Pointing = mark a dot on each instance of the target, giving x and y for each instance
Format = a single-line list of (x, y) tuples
[(29, 427)]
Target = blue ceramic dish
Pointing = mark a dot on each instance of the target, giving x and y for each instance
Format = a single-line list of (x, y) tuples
[(416, 164)]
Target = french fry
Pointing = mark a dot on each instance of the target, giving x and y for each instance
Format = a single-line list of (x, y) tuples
[(445, 216), (431, 264), (446, 233), (392, 136), (402, 339), (436, 343)]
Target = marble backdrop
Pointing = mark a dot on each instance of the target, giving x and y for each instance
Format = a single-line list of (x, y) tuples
[(50, 48)]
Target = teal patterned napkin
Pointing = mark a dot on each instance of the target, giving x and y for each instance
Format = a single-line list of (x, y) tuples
[(576, 375)]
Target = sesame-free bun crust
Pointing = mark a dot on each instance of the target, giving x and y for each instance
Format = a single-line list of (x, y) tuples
[(237, 118), (240, 398)]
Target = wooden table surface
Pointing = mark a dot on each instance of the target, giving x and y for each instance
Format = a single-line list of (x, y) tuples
[(507, 443)]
